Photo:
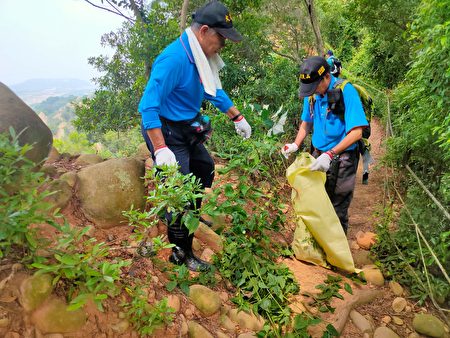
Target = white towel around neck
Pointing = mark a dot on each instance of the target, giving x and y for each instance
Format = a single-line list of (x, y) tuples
[(208, 68)]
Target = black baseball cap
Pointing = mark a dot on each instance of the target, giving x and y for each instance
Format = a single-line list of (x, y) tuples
[(215, 15), (312, 71)]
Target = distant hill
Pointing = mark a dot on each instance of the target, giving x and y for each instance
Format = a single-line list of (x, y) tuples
[(37, 90)]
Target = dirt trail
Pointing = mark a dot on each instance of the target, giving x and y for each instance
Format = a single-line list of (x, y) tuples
[(373, 302)]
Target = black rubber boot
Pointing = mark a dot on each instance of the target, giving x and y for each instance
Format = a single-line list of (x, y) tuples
[(182, 252), (365, 178)]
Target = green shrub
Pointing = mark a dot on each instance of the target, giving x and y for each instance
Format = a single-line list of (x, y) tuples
[(21, 202)]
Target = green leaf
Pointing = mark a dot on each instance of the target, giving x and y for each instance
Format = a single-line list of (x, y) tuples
[(348, 288)]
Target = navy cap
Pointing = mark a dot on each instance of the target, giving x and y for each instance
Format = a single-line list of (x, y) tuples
[(215, 15), (312, 71)]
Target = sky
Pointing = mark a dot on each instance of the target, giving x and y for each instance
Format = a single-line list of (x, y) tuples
[(51, 39)]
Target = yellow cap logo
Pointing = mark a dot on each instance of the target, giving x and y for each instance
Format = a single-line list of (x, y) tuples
[(228, 18), (304, 76), (321, 70)]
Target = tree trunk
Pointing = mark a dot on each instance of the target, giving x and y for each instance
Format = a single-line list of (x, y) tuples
[(315, 25), (183, 15)]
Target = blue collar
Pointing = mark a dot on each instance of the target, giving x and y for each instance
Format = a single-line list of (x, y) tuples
[(184, 40)]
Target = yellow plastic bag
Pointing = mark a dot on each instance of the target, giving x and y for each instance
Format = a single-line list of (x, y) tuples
[(312, 205), (305, 246)]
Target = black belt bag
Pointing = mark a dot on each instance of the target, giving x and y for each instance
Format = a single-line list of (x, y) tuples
[(200, 129), (195, 131)]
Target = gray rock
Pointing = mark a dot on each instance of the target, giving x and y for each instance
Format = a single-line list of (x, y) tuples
[(108, 188), (15, 113), (384, 332), (205, 299), (428, 325)]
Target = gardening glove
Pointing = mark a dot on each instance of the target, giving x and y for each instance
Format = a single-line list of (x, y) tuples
[(243, 128), (288, 149), (322, 163), (165, 156)]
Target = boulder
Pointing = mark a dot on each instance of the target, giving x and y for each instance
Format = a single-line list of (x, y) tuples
[(142, 153), (428, 325), (88, 159), (209, 237), (61, 193), (205, 299), (198, 331), (108, 188), (384, 332), (373, 275), (53, 317), (15, 113), (34, 291)]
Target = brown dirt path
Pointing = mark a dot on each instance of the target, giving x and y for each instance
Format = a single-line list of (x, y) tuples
[(374, 302)]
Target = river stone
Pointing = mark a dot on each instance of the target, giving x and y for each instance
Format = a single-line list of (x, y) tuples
[(198, 331), (247, 335), (209, 237), (428, 325), (88, 159), (384, 332), (53, 317), (247, 320), (15, 113), (34, 291), (221, 335), (173, 301), (360, 322), (227, 323), (108, 188), (399, 304), (205, 299), (396, 288), (373, 275)]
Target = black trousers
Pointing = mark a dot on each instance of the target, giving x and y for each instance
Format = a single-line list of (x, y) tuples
[(341, 194), (192, 158)]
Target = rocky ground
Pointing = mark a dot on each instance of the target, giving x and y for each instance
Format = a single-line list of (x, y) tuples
[(379, 308)]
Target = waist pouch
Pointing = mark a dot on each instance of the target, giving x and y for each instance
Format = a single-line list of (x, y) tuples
[(200, 129), (195, 131)]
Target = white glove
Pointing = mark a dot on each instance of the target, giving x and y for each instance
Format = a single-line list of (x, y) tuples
[(322, 163), (288, 149), (243, 128), (165, 156)]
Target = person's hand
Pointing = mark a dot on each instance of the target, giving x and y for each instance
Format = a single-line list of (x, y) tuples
[(322, 163), (165, 156), (289, 148), (243, 128)]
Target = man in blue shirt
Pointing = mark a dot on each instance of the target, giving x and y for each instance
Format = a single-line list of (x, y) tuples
[(183, 75), (338, 119)]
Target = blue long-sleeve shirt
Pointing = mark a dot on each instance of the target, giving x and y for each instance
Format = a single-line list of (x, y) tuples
[(175, 90)]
